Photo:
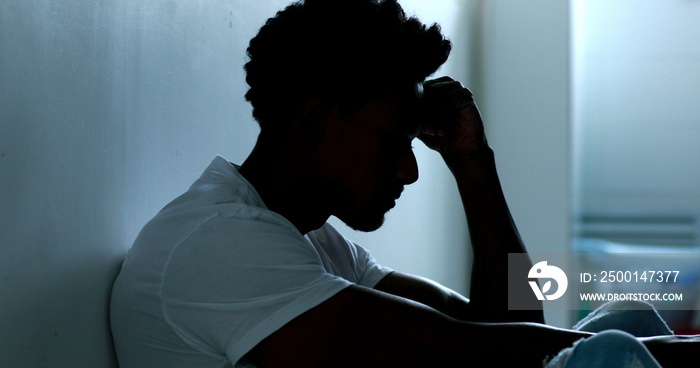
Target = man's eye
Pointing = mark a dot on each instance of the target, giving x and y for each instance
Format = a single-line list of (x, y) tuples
[(398, 143), (403, 143)]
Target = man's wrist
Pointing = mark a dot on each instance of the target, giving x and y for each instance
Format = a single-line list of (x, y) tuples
[(476, 163)]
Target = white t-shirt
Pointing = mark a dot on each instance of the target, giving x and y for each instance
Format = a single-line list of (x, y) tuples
[(215, 272)]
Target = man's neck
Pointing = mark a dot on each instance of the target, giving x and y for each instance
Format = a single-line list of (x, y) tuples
[(286, 187)]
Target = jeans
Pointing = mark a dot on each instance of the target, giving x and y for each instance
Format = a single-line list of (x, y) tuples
[(614, 345)]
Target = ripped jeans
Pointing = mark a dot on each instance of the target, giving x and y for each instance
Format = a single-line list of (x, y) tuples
[(614, 345)]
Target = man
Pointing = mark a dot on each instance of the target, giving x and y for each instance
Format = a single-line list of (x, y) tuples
[(243, 270)]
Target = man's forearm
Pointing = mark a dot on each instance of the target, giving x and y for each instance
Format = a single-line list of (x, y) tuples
[(493, 235)]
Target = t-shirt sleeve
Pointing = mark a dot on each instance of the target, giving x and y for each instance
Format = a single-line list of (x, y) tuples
[(234, 282), (346, 259), (373, 272)]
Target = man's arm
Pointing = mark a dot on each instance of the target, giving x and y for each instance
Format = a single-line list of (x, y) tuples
[(427, 292), (454, 129), (361, 327)]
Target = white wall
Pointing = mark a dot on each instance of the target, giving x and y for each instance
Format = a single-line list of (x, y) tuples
[(108, 110)]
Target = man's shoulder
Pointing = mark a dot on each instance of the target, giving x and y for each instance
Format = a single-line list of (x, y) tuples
[(332, 246), (327, 234), (219, 192)]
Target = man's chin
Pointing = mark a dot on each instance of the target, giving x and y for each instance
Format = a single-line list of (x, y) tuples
[(366, 227), (366, 223)]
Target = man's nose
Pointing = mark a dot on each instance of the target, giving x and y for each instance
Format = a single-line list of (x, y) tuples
[(408, 168)]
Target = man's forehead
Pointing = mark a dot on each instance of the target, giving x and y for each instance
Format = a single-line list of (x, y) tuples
[(410, 101), (397, 111)]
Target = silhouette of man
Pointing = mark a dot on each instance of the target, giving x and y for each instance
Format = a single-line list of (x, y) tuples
[(243, 270)]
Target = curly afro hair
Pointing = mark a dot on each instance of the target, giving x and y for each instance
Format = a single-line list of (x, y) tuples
[(346, 52)]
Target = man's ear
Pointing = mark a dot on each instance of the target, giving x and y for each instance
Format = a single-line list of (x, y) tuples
[(315, 118)]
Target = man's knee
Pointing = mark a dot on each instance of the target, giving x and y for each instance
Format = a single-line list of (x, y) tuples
[(635, 317), (610, 348)]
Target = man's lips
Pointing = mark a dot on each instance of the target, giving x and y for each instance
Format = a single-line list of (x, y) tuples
[(397, 193), (389, 197)]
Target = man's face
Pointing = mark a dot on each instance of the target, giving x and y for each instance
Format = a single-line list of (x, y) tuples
[(368, 159)]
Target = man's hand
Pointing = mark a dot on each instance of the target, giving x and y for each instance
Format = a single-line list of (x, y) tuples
[(451, 123)]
